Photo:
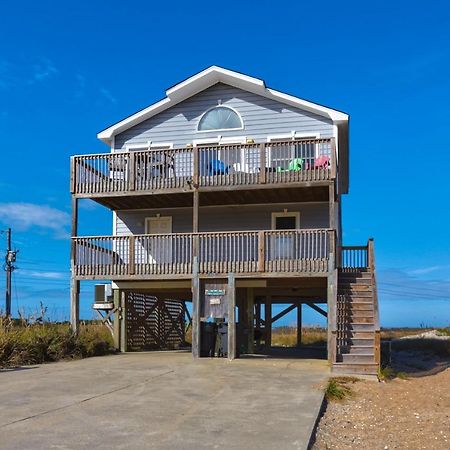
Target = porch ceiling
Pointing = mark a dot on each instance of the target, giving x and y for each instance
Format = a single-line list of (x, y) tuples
[(217, 197)]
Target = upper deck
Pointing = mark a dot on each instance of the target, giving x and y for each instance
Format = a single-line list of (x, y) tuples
[(290, 163)]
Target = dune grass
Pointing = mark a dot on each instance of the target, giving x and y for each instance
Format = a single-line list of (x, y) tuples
[(287, 336), (338, 388), (23, 343)]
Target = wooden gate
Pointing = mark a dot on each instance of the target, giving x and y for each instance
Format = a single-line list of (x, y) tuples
[(153, 323)]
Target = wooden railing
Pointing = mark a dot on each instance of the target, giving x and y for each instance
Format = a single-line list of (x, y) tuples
[(304, 160), (354, 257), (218, 253)]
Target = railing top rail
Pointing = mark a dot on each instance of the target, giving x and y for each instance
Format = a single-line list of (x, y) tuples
[(354, 247), (301, 230), (221, 146)]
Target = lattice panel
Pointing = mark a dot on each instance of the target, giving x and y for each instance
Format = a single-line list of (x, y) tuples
[(153, 323)]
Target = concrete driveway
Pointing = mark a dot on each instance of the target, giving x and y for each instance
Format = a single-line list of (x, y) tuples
[(161, 401)]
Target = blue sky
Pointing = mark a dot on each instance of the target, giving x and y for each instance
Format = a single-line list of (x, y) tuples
[(66, 72)]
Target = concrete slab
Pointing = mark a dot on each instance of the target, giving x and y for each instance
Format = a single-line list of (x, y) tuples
[(161, 400)]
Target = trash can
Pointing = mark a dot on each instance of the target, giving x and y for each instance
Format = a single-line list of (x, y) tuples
[(222, 337), (208, 333)]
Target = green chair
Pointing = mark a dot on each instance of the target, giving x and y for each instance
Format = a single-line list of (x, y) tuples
[(295, 165)]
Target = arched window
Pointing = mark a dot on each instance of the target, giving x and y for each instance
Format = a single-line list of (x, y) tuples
[(220, 118)]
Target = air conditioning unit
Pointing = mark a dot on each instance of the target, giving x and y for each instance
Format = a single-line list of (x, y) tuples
[(103, 293)]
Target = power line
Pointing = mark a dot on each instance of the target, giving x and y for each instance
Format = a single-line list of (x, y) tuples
[(415, 295), (408, 287)]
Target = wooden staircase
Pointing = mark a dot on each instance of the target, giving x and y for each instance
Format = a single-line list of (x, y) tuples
[(357, 322)]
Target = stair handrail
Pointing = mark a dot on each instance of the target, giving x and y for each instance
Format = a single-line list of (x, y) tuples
[(376, 316)]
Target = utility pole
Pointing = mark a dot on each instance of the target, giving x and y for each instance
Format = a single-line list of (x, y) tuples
[(10, 258)]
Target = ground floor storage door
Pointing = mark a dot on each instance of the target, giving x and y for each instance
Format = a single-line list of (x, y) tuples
[(153, 323)]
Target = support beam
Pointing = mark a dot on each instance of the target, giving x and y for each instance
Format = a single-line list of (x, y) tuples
[(195, 310), (299, 325), (231, 293), (75, 305), (284, 312), (316, 308), (332, 324), (195, 210), (258, 323), (123, 322), (74, 284), (250, 321), (117, 318), (268, 322)]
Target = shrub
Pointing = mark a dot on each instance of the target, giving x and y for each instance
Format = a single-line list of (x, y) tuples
[(22, 343), (337, 388)]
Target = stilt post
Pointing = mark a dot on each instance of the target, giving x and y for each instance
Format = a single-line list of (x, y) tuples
[(195, 310), (250, 321), (299, 324), (268, 322), (231, 292), (74, 283)]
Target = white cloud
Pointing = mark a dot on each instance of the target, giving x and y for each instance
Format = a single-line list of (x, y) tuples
[(44, 274), (23, 73), (42, 70), (426, 270), (25, 216), (107, 94)]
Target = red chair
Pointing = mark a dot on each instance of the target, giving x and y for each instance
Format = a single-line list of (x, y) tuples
[(322, 162)]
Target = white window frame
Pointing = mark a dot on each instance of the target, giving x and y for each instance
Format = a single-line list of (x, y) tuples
[(220, 129), (149, 145), (295, 214)]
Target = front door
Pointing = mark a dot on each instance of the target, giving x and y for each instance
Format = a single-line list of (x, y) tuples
[(282, 246), (159, 248)]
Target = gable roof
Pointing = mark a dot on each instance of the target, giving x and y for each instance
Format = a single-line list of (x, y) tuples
[(207, 78)]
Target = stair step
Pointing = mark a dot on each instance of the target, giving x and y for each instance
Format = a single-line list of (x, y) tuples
[(360, 341), (360, 319), (360, 284), (358, 358), (349, 293), (357, 306), (353, 313), (354, 275), (355, 326), (355, 334), (355, 368), (357, 287), (358, 350), (355, 281)]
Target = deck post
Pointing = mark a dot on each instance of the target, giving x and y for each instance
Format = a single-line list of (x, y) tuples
[(195, 310), (74, 283), (332, 206), (123, 322), (75, 305), (258, 322), (299, 323), (117, 318), (231, 292), (250, 321), (331, 316), (268, 322)]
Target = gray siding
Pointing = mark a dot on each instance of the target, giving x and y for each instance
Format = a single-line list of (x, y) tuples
[(224, 218), (261, 117)]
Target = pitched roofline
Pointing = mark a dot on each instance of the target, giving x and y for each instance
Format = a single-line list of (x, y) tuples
[(203, 80)]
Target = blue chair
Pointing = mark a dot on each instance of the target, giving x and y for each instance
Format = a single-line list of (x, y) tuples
[(217, 167)]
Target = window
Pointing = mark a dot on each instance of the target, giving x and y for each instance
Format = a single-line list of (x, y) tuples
[(220, 118), (302, 147), (285, 220)]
